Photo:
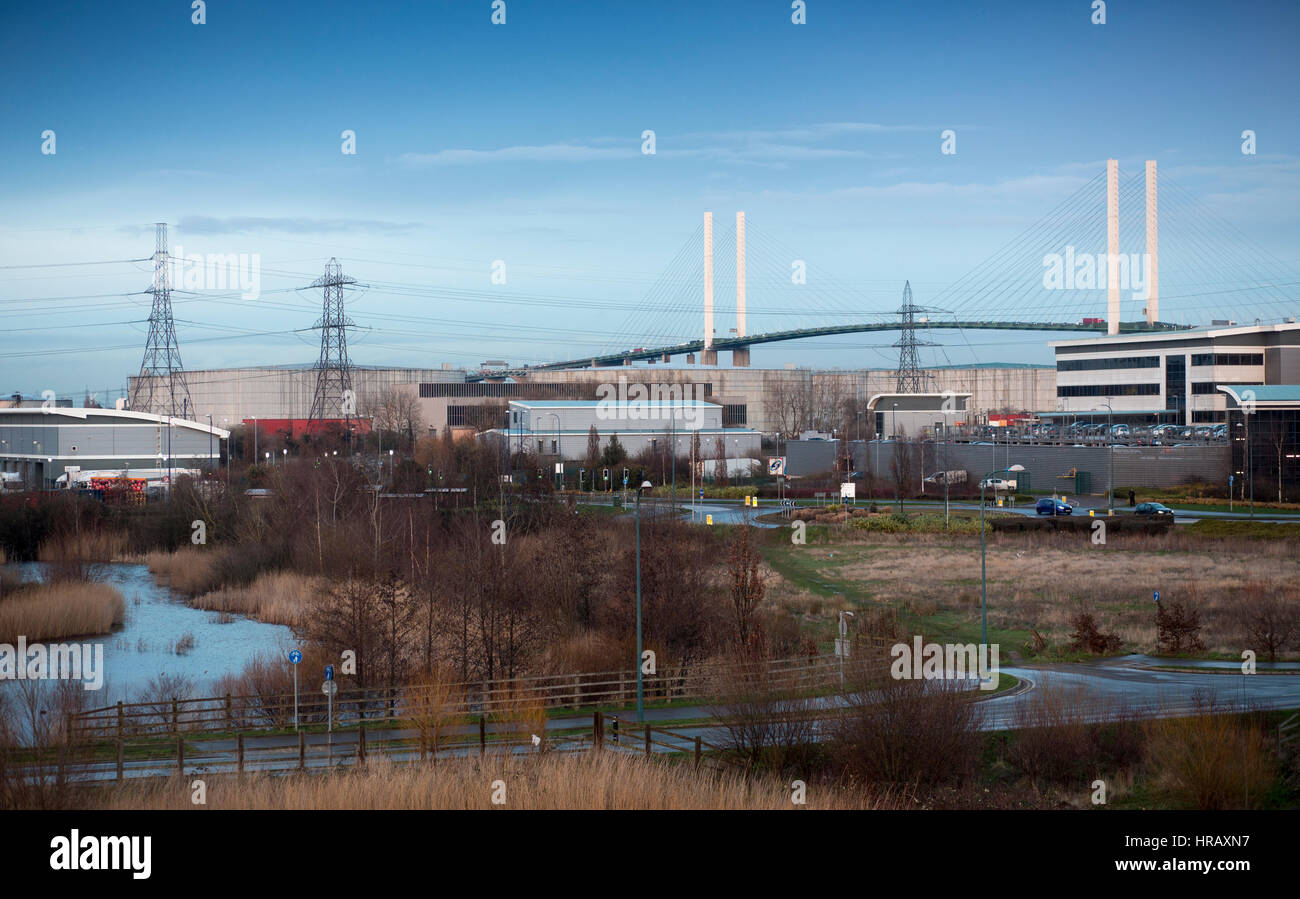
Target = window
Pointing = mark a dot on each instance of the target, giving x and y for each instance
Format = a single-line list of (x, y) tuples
[(553, 447), (1228, 359), (1175, 381), (734, 415), (1108, 390), (1108, 364), (1212, 387)]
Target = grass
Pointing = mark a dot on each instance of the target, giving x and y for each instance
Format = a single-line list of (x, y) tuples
[(276, 597), (59, 610), (1036, 582), (595, 780), (189, 570), (1250, 530)]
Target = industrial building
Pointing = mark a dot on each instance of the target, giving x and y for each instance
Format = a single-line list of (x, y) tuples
[(42, 444), (781, 401), (562, 428), (1264, 423), (1175, 376)]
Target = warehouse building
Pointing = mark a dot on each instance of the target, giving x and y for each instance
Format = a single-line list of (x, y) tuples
[(562, 428), (1173, 376), (42, 444)]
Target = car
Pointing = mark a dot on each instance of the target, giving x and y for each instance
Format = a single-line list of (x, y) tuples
[(997, 484), (1153, 509), (1050, 506)]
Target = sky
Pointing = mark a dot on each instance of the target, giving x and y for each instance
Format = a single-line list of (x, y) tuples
[(516, 151)]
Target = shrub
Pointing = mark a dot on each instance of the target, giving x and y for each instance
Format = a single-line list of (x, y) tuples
[(1178, 628), (1088, 638)]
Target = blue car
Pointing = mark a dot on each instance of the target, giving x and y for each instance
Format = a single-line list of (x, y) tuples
[(1049, 506)]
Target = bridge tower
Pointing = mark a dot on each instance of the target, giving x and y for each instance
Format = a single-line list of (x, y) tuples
[(740, 355)]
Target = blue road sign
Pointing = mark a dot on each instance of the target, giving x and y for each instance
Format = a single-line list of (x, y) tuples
[(625, 482), (295, 656), (1157, 596), (329, 672)]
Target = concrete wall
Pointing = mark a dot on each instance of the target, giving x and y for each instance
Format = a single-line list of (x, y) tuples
[(1135, 466)]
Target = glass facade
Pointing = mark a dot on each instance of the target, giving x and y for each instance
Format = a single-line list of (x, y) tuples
[(1228, 359), (1175, 382), (1108, 364), (1108, 390)]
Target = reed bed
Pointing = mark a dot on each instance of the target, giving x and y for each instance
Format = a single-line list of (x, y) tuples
[(59, 610), (593, 780)]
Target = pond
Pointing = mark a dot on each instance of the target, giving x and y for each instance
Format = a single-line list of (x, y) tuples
[(157, 620)]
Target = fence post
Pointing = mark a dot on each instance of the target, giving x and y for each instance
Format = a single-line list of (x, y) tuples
[(119, 759), (229, 718), (302, 750), (180, 754), (176, 716), (597, 730), (120, 722), (361, 743), (697, 752), (239, 745), (482, 734), (577, 691), (647, 741), (67, 728)]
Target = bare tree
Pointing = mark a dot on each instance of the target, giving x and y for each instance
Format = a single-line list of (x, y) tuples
[(746, 583)]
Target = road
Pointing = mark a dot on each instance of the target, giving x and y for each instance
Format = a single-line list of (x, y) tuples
[(1125, 686)]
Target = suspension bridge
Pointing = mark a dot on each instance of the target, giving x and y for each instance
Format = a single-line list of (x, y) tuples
[(1074, 270)]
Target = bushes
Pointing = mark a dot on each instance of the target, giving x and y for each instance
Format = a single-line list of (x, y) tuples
[(1063, 736), (1212, 761), (916, 524), (908, 732), (1178, 628), (1088, 638)]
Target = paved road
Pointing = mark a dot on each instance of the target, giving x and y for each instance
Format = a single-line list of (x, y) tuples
[(1127, 685)]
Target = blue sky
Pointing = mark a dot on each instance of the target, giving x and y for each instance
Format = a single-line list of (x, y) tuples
[(522, 143)]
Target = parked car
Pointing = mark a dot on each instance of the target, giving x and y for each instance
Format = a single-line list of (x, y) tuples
[(1050, 506), (997, 484), (1153, 509)]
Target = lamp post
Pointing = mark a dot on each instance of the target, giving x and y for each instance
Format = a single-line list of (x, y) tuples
[(984, 592), (1110, 431), (640, 706)]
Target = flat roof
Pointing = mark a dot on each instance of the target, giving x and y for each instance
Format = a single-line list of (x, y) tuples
[(1265, 393), (592, 404), (83, 413), (1209, 333)]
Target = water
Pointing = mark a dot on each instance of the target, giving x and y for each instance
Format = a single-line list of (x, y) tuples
[(156, 619)]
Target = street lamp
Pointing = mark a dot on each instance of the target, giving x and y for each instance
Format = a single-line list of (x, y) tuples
[(1110, 430), (640, 705), (984, 592)]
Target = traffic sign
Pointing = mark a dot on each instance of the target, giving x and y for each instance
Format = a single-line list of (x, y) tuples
[(295, 656), (329, 672), (329, 688), (1157, 596), (776, 465)]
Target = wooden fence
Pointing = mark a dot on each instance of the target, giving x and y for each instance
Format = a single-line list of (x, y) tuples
[(501, 698)]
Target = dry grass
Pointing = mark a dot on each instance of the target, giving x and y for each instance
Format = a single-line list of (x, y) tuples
[(1209, 761), (276, 597), (88, 546), (595, 780), (59, 610), (1042, 581), (189, 570)]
